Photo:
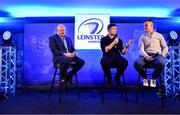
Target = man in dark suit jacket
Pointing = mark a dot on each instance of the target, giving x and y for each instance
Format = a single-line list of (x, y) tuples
[(64, 53)]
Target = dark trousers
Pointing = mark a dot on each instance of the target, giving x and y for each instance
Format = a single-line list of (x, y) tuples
[(119, 62), (158, 64), (64, 64)]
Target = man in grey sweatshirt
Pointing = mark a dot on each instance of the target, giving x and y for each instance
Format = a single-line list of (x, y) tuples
[(152, 49)]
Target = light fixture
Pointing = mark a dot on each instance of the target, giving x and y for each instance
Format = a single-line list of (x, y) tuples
[(7, 38), (6, 35), (173, 35), (173, 38)]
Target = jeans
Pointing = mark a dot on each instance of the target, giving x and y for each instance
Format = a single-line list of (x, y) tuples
[(158, 64)]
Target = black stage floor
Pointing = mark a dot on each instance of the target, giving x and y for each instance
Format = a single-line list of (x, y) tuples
[(37, 102)]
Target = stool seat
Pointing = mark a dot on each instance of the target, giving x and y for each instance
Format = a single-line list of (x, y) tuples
[(57, 65)]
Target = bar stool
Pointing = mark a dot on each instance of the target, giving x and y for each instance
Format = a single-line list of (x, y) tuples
[(119, 87), (161, 86), (57, 66)]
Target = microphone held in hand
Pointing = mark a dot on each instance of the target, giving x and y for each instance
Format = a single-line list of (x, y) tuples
[(116, 40)]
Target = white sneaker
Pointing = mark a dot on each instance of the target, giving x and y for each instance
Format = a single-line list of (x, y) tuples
[(145, 82), (152, 83)]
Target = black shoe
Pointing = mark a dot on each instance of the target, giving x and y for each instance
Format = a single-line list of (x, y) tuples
[(71, 82)]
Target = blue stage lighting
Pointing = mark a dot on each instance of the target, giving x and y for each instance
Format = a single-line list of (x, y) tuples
[(40, 11), (7, 39), (173, 35), (3, 20), (173, 38), (6, 35)]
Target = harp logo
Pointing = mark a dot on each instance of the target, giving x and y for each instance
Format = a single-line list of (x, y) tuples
[(89, 29), (91, 26)]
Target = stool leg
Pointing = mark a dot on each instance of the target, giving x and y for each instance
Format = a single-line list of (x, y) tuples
[(51, 88), (77, 86), (120, 88), (144, 86), (66, 83), (138, 87), (60, 91), (103, 88), (162, 92), (124, 85)]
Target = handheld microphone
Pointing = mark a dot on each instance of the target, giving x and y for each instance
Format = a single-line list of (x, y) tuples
[(117, 39)]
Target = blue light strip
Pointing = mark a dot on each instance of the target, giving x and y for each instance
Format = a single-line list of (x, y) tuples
[(41, 11), (4, 19), (177, 20)]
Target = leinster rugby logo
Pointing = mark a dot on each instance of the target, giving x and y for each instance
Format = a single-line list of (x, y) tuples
[(91, 26)]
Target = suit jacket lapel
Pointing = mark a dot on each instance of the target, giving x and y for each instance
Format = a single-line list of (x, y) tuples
[(59, 41)]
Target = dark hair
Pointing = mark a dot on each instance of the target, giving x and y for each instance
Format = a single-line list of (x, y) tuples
[(110, 25), (149, 20)]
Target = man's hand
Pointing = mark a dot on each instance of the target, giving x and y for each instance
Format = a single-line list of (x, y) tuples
[(116, 41), (70, 55), (128, 43), (73, 54), (149, 58), (107, 48), (125, 49)]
